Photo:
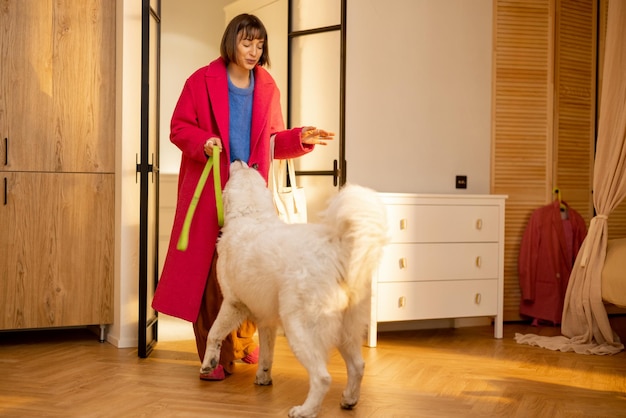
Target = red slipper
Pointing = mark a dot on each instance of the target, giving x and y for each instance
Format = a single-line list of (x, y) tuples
[(252, 358), (215, 375)]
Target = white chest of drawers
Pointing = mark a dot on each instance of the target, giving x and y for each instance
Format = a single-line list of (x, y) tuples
[(445, 260)]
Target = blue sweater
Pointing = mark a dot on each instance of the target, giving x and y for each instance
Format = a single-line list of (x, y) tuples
[(240, 106)]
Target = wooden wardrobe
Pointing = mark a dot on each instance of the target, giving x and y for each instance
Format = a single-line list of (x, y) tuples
[(57, 163), (546, 72)]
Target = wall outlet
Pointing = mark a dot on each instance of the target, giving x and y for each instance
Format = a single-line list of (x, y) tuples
[(461, 182)]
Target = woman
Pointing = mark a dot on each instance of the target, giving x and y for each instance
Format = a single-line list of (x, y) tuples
[(234, 104)]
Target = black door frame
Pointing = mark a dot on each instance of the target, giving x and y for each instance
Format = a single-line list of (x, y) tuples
[(147, 168), (339, 168)]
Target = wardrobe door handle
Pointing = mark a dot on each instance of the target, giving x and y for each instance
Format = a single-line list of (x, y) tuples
[(6, 192), (6, 151)]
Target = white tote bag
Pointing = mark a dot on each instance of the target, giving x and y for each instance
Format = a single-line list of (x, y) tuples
[(290, 201)]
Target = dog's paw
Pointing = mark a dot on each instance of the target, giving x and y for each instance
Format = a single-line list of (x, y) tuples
[(209, 365), (346, 404), (206, 370), (263, 377), (349, 400), (263, 380), (300, 412)]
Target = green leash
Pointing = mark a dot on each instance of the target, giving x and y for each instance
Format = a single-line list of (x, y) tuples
[(183, 240)]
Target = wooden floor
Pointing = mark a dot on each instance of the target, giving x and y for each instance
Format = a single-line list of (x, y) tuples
[(429, 373)]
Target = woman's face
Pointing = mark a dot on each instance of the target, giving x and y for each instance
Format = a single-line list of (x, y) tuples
[(249, 52)]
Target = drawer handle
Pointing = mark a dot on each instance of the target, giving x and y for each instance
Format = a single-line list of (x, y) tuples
[(403, 263), (479, 261), (477, 298), (401, 302), (479, 224), (403, 224)]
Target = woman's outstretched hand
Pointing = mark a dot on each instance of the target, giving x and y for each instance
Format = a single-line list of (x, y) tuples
[(313, 136)]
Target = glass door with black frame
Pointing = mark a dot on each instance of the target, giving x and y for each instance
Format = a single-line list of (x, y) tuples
[(148, 171)]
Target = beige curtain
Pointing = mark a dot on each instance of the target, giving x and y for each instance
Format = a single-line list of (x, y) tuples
[(585, 324)]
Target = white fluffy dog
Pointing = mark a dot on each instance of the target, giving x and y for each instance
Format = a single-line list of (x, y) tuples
[(314, 279)]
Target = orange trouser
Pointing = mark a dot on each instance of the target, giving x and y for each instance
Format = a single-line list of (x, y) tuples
[(238, 343)]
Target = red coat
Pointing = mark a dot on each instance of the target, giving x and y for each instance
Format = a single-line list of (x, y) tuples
[(547, 254), (201, 113)]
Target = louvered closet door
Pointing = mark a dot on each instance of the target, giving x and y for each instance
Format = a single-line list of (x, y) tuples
[(522, 123), (544, 112), (575, 102)]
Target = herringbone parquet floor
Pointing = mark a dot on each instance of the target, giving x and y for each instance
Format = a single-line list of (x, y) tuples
[(428, 373)]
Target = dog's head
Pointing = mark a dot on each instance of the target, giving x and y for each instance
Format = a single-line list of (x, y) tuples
[(246, 193)]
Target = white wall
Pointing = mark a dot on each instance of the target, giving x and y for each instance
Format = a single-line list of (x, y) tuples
[(418, 109), (123, 332)]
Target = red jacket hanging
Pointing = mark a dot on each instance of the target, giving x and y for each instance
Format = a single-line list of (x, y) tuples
[(547, 254)]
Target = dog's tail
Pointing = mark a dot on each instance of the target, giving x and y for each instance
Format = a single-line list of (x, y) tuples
[(359, 221)]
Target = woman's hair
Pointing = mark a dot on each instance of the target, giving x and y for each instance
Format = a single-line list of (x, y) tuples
[(250, 28)]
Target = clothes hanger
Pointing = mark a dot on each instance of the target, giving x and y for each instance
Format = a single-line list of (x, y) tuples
[(562, 205)]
